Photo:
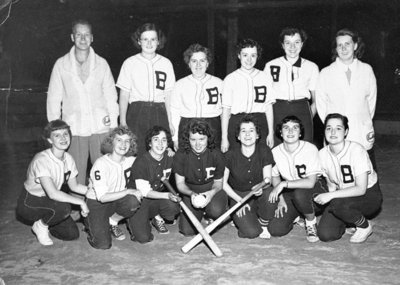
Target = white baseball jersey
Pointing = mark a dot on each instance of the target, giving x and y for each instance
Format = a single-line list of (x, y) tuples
[(146, 80), (303, 162), (356, 100), (194, 98), (109, 176), (292, 82), (247, 92), (45, 164), (343, 168)]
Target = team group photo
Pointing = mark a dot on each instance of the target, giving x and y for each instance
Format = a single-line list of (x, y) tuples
[(279, 156)]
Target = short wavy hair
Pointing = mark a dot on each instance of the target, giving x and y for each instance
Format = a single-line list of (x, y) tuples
[(291, 31), (341, 117), (249, 43), (155, 131), (248, 118), (187, 55), (135, 37), (285, 120), (54, 126), (196, 126), (107, 143), (359, 52), (83, 22)]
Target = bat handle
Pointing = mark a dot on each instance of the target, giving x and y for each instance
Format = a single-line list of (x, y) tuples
[(169, 186)]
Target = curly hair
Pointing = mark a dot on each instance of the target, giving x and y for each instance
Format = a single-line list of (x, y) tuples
[(107, 143), (358, 53), (291, 31), (248, 118), (285, 120), (341, 117), (187, 55), (135, 37), (196, 126), (249, 43), (155, 131)]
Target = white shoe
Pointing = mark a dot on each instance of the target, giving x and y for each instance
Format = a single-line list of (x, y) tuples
[(265, 233), (311, 231), (299, 222), (42, 233), (361, 234)]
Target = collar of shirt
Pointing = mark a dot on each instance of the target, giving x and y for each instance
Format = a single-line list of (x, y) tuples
[(296, 64), (345, 67)]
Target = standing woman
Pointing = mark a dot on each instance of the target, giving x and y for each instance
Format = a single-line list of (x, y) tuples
[(197, 95), (348, 87), (294, 81), (199, 170), (295, 180), (246, 167), (354, 192), (146, 81), (247, 90)]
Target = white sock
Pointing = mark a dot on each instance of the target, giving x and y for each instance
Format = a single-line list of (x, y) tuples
[(312, 222), (159, 218)]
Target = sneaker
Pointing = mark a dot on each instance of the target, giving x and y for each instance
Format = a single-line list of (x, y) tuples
[(117, 233), (265, 233), (311, 231), (350, 231), (160, 226), (361, 234), (299, 222), (42, 233)]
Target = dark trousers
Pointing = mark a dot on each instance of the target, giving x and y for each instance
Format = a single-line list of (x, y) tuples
[(347, 211), (214, 122), (248, 225), (299, 108), (139, 223), (53, 213), (213, 210), (97, 222), (235, 120), (299, 202), (142, 116)]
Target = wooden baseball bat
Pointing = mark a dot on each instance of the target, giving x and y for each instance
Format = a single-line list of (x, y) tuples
[(196, 223), (194, 241)]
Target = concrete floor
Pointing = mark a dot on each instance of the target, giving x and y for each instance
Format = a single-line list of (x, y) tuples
[(287, 260)]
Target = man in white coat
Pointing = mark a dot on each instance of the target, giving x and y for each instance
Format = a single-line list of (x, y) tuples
[(82, 93)]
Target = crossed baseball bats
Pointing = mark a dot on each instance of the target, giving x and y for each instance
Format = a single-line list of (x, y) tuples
[(204, 234)]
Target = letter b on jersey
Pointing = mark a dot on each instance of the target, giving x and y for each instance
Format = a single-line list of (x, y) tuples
[(212, 95), (275, 70), (161, 78), (261, 94)]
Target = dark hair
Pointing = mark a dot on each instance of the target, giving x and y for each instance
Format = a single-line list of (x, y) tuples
[(196, 126), (285, 120), (107, 143), (155, 131), (249, 43), (248, 118), (290, 31), (54, 126), (81, 22), (187, 55), (341, 117), (148, 27), (358, 53)]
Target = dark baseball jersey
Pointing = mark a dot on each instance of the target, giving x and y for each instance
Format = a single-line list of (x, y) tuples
[(245, 172), (343, 168), (147, 172), (247, 92), (199, 169)]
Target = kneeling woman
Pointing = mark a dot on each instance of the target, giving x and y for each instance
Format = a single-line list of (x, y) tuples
[(110, 201), (354, 192), (245, 168), (295, 179), (147, 173), (199, 169), (42, 202)]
